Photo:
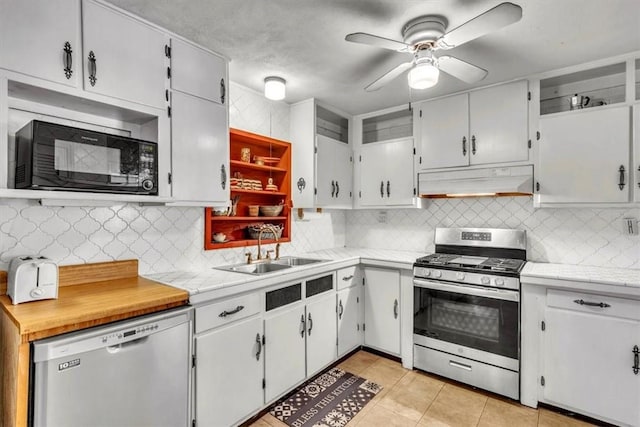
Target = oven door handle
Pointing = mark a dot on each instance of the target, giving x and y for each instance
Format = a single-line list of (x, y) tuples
[(501, 294)]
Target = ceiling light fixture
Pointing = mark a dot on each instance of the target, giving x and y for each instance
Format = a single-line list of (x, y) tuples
[(425, 72), (274, 88)]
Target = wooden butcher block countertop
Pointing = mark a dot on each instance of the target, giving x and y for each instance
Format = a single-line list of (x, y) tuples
[(90, 295)]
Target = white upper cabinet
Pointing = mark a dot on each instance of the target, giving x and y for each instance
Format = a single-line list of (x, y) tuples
[(199, 150), (41, 38), (123, 58), (486, 126), (334, 172), (386, 173), (584, 157), (198, 72), (316, 132)]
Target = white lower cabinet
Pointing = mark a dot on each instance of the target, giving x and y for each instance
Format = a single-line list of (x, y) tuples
[(382, 309), (284, 350), (321, 333), (587, 359), (349, 333)]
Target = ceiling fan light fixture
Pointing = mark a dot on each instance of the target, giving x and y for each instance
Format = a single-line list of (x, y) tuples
[(274, 88), (423, 75)]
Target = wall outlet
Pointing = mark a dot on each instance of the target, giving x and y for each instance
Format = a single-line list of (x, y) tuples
[(382, 217), (630, 226)]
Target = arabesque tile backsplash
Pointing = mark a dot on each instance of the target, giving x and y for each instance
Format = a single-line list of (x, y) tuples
[(171, 238)]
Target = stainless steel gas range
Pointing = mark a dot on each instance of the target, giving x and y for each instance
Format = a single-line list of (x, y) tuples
[(466, 317)]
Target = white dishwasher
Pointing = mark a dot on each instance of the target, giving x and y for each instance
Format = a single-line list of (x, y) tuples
[(130, 373)]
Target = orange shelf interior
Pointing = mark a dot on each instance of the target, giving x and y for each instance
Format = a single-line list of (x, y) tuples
[(235, 227)]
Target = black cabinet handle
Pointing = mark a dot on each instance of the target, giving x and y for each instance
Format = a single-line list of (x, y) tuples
[(395, 309), (223, 91), (592, 304), (636, 360), (464, 145), (68, 60), (347, 278), (381, 188), (621, 184), (223, 176), (93, 69), (388, 189), (304, 326), (337, 189), (333, 189), (259, 342), (638, 176), (234, 311), (340, 309), (310, 324), (473, 144), (301, 184)]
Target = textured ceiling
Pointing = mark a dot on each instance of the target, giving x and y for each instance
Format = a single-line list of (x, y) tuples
[(303, 41)]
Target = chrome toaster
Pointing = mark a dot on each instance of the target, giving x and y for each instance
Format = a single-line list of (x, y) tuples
[(32, 278)]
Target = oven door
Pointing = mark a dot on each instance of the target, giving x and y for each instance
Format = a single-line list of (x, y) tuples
[(71, 159), (470, 321)]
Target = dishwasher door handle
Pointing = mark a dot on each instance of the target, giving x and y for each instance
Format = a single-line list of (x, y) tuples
[(124, 345)]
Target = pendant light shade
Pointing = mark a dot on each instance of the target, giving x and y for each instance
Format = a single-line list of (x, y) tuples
[(274, 88), (423, 76)]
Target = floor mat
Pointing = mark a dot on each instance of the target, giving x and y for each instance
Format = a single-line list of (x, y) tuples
[(332, 400)]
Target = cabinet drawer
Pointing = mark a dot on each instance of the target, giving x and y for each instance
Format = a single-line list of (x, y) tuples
[(318, 285), (223, 312), (283, 296), (591, 303), (346, 277)]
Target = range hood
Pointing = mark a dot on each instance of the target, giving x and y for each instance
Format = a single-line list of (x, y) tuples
[(506, 181)]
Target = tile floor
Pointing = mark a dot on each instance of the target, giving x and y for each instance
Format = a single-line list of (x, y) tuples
[(411, 398)]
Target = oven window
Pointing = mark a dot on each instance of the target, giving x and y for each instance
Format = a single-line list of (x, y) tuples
[(477, 322), (86, 158)]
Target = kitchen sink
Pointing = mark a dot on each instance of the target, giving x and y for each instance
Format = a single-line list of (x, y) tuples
[(295, 261), (269, 266)]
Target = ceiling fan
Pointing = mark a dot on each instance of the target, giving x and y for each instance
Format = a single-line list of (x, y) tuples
[(426, 34)]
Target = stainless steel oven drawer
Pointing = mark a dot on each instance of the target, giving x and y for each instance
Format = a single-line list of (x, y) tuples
[(488, 377)]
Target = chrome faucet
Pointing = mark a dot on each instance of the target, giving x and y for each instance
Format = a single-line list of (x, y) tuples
[(275, 235)]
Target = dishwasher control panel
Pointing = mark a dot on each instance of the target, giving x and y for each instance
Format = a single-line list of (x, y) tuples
[(137, 332)]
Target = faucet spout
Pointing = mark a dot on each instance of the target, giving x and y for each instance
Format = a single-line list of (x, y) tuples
[(266, 227)]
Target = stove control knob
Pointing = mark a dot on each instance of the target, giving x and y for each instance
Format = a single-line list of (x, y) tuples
[(426, 272), (437, 274), (485, 280), (499, 281), (460, 276)]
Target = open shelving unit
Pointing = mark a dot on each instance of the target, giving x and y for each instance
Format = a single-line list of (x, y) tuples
[(235, 226)]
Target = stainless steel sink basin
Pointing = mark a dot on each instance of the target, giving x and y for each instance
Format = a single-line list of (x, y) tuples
[(296, 261), (269, 266)]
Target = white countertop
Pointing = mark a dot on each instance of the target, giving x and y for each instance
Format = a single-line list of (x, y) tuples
[(579, 273), (224, 283)]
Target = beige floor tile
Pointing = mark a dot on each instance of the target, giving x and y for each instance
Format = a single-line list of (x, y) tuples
[(455, 406), (384, 374), (381, 417), (358, 362), (271, 421), (548, 418), (500, 413), (412, 395), (261, 423)]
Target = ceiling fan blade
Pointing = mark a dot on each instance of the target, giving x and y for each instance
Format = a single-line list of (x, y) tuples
[(460, 69), (382, 81), (378, 41), (492, 20)]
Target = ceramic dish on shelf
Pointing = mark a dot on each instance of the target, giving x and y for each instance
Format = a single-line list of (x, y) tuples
[(271, 210)]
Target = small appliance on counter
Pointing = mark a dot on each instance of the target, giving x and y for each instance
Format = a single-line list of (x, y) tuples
[(32, 278)]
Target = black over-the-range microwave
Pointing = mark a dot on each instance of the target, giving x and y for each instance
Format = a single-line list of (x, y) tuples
[(55, 157)]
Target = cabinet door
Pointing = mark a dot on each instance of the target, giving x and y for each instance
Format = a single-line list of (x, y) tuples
[(348, 314), (321, 333), (284, 357), (373, 166), (499, 124), (444, 132), (200, 149), (333, 172), (581, 154), (33, 35), (198, 72), (382, 310), (588, 363), (399, 172), (130, 62), (229, 364), (302, 131)]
